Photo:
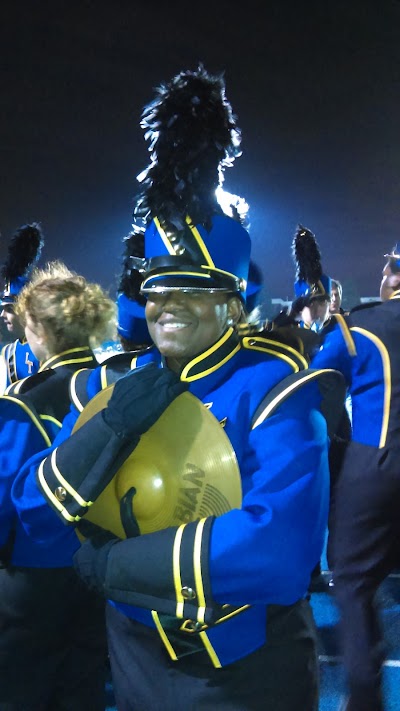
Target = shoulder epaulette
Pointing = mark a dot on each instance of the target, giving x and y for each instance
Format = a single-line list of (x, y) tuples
[(333, 391), (78, 388), (43, 396), (109, 372), (23, 386), (47, 395), (117, 366), (278, 348)]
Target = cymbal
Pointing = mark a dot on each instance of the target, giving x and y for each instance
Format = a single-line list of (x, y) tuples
[(183, 469)]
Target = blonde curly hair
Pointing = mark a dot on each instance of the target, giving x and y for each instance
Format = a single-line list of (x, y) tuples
[(72, 311)]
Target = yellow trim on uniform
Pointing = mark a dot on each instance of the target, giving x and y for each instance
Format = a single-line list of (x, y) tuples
[(86, 359), (201, 244), (9, 355), (252, 342), (282, 356), (103, 377), (192, 378), (163, 236), (207, 643), (72, 390), (205, 355), (49, 494), (235, 612), (16, 387), (291, 388), (198, 577), (196, 234), (34, 419), (210, 650), (351, 346), (386, 380), (49, 418), (47, 362), (163, 636), (67, 486), (185, 274), (176, 568), (188, 273)]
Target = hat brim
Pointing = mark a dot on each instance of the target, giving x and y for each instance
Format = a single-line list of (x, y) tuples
[(7, 301), (190, 278)]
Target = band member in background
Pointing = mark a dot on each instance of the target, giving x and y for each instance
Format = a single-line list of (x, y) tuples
[(64, 317), (17, 360), (335, 306), (312, 287), (309, 310), (365, 525), (309, 316)]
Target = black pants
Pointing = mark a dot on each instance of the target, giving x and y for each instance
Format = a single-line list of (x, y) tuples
[(281, 676), (52, 642), (365, 539)]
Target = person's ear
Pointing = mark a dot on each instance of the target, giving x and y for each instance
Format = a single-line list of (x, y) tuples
[(234, 310)]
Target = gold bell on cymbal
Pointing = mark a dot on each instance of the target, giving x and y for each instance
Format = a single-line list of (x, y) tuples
[(183, 469)]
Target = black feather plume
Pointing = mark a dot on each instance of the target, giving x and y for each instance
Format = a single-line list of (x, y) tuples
[(130, 278), (192, 136), (24, 251), (306, 255)]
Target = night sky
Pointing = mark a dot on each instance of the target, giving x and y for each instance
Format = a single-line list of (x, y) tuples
[(315, 87)]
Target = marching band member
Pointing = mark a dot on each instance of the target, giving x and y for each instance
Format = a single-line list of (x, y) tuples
[(213, 612), (64, 316), (17, 360), (364, 529)]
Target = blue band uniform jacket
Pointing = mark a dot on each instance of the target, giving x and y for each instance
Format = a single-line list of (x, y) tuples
[(16, 361), (365, 347), (31, 413), (216, 577)]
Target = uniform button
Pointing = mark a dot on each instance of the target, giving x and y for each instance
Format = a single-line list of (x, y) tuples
[(192, 626), (188, 593), (60, 493)]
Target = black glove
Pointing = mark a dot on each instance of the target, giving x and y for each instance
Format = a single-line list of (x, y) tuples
[(90, 560), (140, 397)]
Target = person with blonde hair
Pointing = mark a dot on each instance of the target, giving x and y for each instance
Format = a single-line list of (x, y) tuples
[(60, 311), (52, 627)]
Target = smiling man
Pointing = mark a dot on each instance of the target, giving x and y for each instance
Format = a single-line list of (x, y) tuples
[(212, 612), (183, 323)]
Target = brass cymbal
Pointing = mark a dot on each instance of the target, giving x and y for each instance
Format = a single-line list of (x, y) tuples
[(184, 468)]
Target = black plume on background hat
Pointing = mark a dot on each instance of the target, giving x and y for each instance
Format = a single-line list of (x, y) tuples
[(309, 279), (24, 251)]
